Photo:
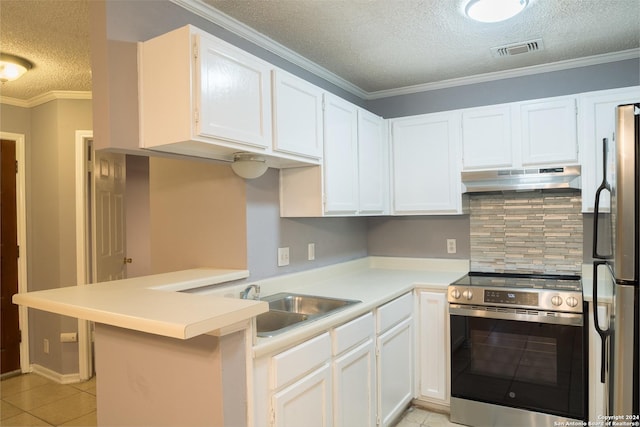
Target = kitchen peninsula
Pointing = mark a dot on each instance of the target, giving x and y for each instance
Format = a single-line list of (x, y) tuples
[(169, 342), (164, 357)]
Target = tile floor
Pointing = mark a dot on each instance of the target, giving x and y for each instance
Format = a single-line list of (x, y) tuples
[(32, 400), (418, 417)]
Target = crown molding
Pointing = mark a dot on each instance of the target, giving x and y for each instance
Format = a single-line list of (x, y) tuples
[(507, 74), (46, 97), (242, 30)]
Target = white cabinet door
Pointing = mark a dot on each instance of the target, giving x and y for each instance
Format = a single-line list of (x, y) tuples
[(425, 164), (395, 371), (486, 138), (234, 93), (297, 111), (433, 345), (373, 163), (200, 96), (548, 132), (597, 121), (306, 402), (354, 375), (340, 156)]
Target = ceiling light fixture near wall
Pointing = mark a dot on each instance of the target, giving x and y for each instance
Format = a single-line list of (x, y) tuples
[(249, 165), (494, 10), (13, 67)]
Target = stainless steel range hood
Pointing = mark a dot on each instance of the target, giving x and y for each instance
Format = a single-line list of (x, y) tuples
[(522, 179)]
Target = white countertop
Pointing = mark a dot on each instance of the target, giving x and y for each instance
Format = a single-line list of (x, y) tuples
[(372, 280), (152, 304)]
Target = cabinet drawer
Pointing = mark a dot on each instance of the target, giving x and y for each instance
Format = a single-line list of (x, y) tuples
[(394, 311), (300, 359), (352, 333)]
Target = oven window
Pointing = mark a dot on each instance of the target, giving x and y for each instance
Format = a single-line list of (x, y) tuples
[(525, 365), (509, 355)]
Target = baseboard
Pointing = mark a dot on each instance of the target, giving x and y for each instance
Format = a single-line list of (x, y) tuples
[(441, 408), (55, 376)]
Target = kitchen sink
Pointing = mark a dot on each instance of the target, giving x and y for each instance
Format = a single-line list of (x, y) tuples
[(287, 310), (305, 304)]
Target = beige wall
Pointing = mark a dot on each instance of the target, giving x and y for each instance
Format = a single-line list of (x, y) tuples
[(198, 215), (137, 216)]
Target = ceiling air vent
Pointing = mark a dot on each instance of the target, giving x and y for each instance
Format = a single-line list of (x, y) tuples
[(517, 48)]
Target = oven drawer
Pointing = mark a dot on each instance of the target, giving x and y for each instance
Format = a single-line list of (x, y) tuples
[(526, 315)]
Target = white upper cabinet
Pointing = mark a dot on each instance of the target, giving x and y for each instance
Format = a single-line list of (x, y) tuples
[(354, 176), (373, 164), (235, 93), (486, 138), (297, 116), (340, 156), (426, 164), (549, 132), (210, 98), (521, 134), (597, 122)]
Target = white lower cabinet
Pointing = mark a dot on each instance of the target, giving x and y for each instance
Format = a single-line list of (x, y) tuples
[(433, 347), (395, 364), (300, 380), (395, 371), (358, 374), (354, 373), (307, 402), (355, 386)]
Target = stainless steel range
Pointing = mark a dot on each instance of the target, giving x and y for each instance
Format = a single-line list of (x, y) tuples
[(518, 349)]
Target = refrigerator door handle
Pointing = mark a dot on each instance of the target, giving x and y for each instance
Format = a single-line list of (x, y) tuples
[(604, 333), (596, 209)]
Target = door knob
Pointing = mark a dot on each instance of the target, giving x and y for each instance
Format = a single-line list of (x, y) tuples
[(127, 260)]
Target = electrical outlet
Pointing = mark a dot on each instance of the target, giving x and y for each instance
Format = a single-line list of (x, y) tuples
[(451, 246), (311, 251), (283, 257), (69, 337), (46, 346)]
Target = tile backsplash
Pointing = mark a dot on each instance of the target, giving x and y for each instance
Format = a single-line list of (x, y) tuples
[(529, 232)]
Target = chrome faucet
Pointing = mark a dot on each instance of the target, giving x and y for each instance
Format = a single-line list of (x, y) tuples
[(244, 294)]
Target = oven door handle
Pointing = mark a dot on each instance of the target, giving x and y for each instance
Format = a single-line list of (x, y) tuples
[(523, 315)]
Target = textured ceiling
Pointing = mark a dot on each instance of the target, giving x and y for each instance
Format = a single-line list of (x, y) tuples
[(387, 44), (54, 36), (373, 44)]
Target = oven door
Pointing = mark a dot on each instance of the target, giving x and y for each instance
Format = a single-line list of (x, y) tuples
[(519, 359)]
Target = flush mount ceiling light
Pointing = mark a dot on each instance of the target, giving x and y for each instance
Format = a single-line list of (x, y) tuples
[(12, 67), (494, 10), (248, 165)]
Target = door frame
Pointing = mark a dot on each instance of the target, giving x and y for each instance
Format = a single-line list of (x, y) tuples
[(84, 237), (21, 211)]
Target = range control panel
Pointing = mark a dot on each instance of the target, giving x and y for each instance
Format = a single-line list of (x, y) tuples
[(541, 299)]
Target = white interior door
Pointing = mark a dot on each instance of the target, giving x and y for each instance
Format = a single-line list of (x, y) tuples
[(109, 183)]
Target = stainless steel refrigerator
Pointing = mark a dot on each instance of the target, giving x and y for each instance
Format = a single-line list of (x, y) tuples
[(615, 267)]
